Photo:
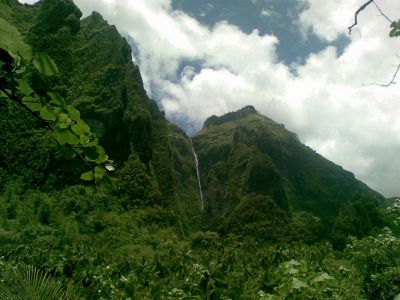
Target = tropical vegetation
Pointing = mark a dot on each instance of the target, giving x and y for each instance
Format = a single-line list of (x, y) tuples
[(99, 193)]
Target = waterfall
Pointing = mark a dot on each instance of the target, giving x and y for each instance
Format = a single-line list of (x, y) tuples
[(196, 160)]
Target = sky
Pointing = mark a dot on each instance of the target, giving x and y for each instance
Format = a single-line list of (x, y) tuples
[(292, 59)]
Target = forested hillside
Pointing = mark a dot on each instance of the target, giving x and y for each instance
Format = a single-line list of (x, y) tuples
[(279, 220), (245, 155)]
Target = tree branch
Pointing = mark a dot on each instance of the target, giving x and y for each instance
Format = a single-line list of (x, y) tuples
[(362, 7), (380, 10), (17, 100), (42, 121), (391, 81)]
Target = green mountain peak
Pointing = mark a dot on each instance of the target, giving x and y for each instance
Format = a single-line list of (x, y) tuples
[(214, 120), (244, 154)]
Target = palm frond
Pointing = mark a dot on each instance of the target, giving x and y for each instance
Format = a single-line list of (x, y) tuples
[(29, 283)]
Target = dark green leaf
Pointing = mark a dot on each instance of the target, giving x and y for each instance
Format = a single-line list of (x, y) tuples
[(64, 121), (102, 155), (95, 154), (12, 41), (80, 128), (90, 153), (45, 65), (48, 114), (65, 136), (88, 140), (99, 173), (87, 176), (67, 152), (56, 99), (32, 104), (73, 112), (24, 87)]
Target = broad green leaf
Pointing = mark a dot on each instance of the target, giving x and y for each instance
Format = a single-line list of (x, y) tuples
[(56, 98), (73, 112), (44, 64), (88, 140), (102, 155), (99, 173), (95, 154), (11, 40), (32, 104), (48, 114), (65, 136), (87, 176), (64, 121), (80, 127), (91, 153), (24, 87)]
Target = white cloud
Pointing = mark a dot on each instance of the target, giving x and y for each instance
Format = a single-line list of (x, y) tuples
[(28, 1), (265, 13), (328, 19), (355, 126)]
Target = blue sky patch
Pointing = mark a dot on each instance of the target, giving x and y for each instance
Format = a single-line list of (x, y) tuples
[(277, 17)]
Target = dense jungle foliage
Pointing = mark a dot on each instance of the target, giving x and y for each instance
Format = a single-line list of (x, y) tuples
[(279, 220)]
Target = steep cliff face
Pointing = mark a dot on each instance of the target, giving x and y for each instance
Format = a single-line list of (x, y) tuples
[(98, 77), (244, 153)]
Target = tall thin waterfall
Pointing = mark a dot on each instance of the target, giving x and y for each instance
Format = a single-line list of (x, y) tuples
[(196, 160)]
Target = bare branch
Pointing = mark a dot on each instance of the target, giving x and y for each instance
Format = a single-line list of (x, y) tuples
[(380, 10), (391, 81), (362, 7)]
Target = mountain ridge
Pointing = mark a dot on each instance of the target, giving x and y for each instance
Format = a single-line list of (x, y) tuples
[(217, 120)]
